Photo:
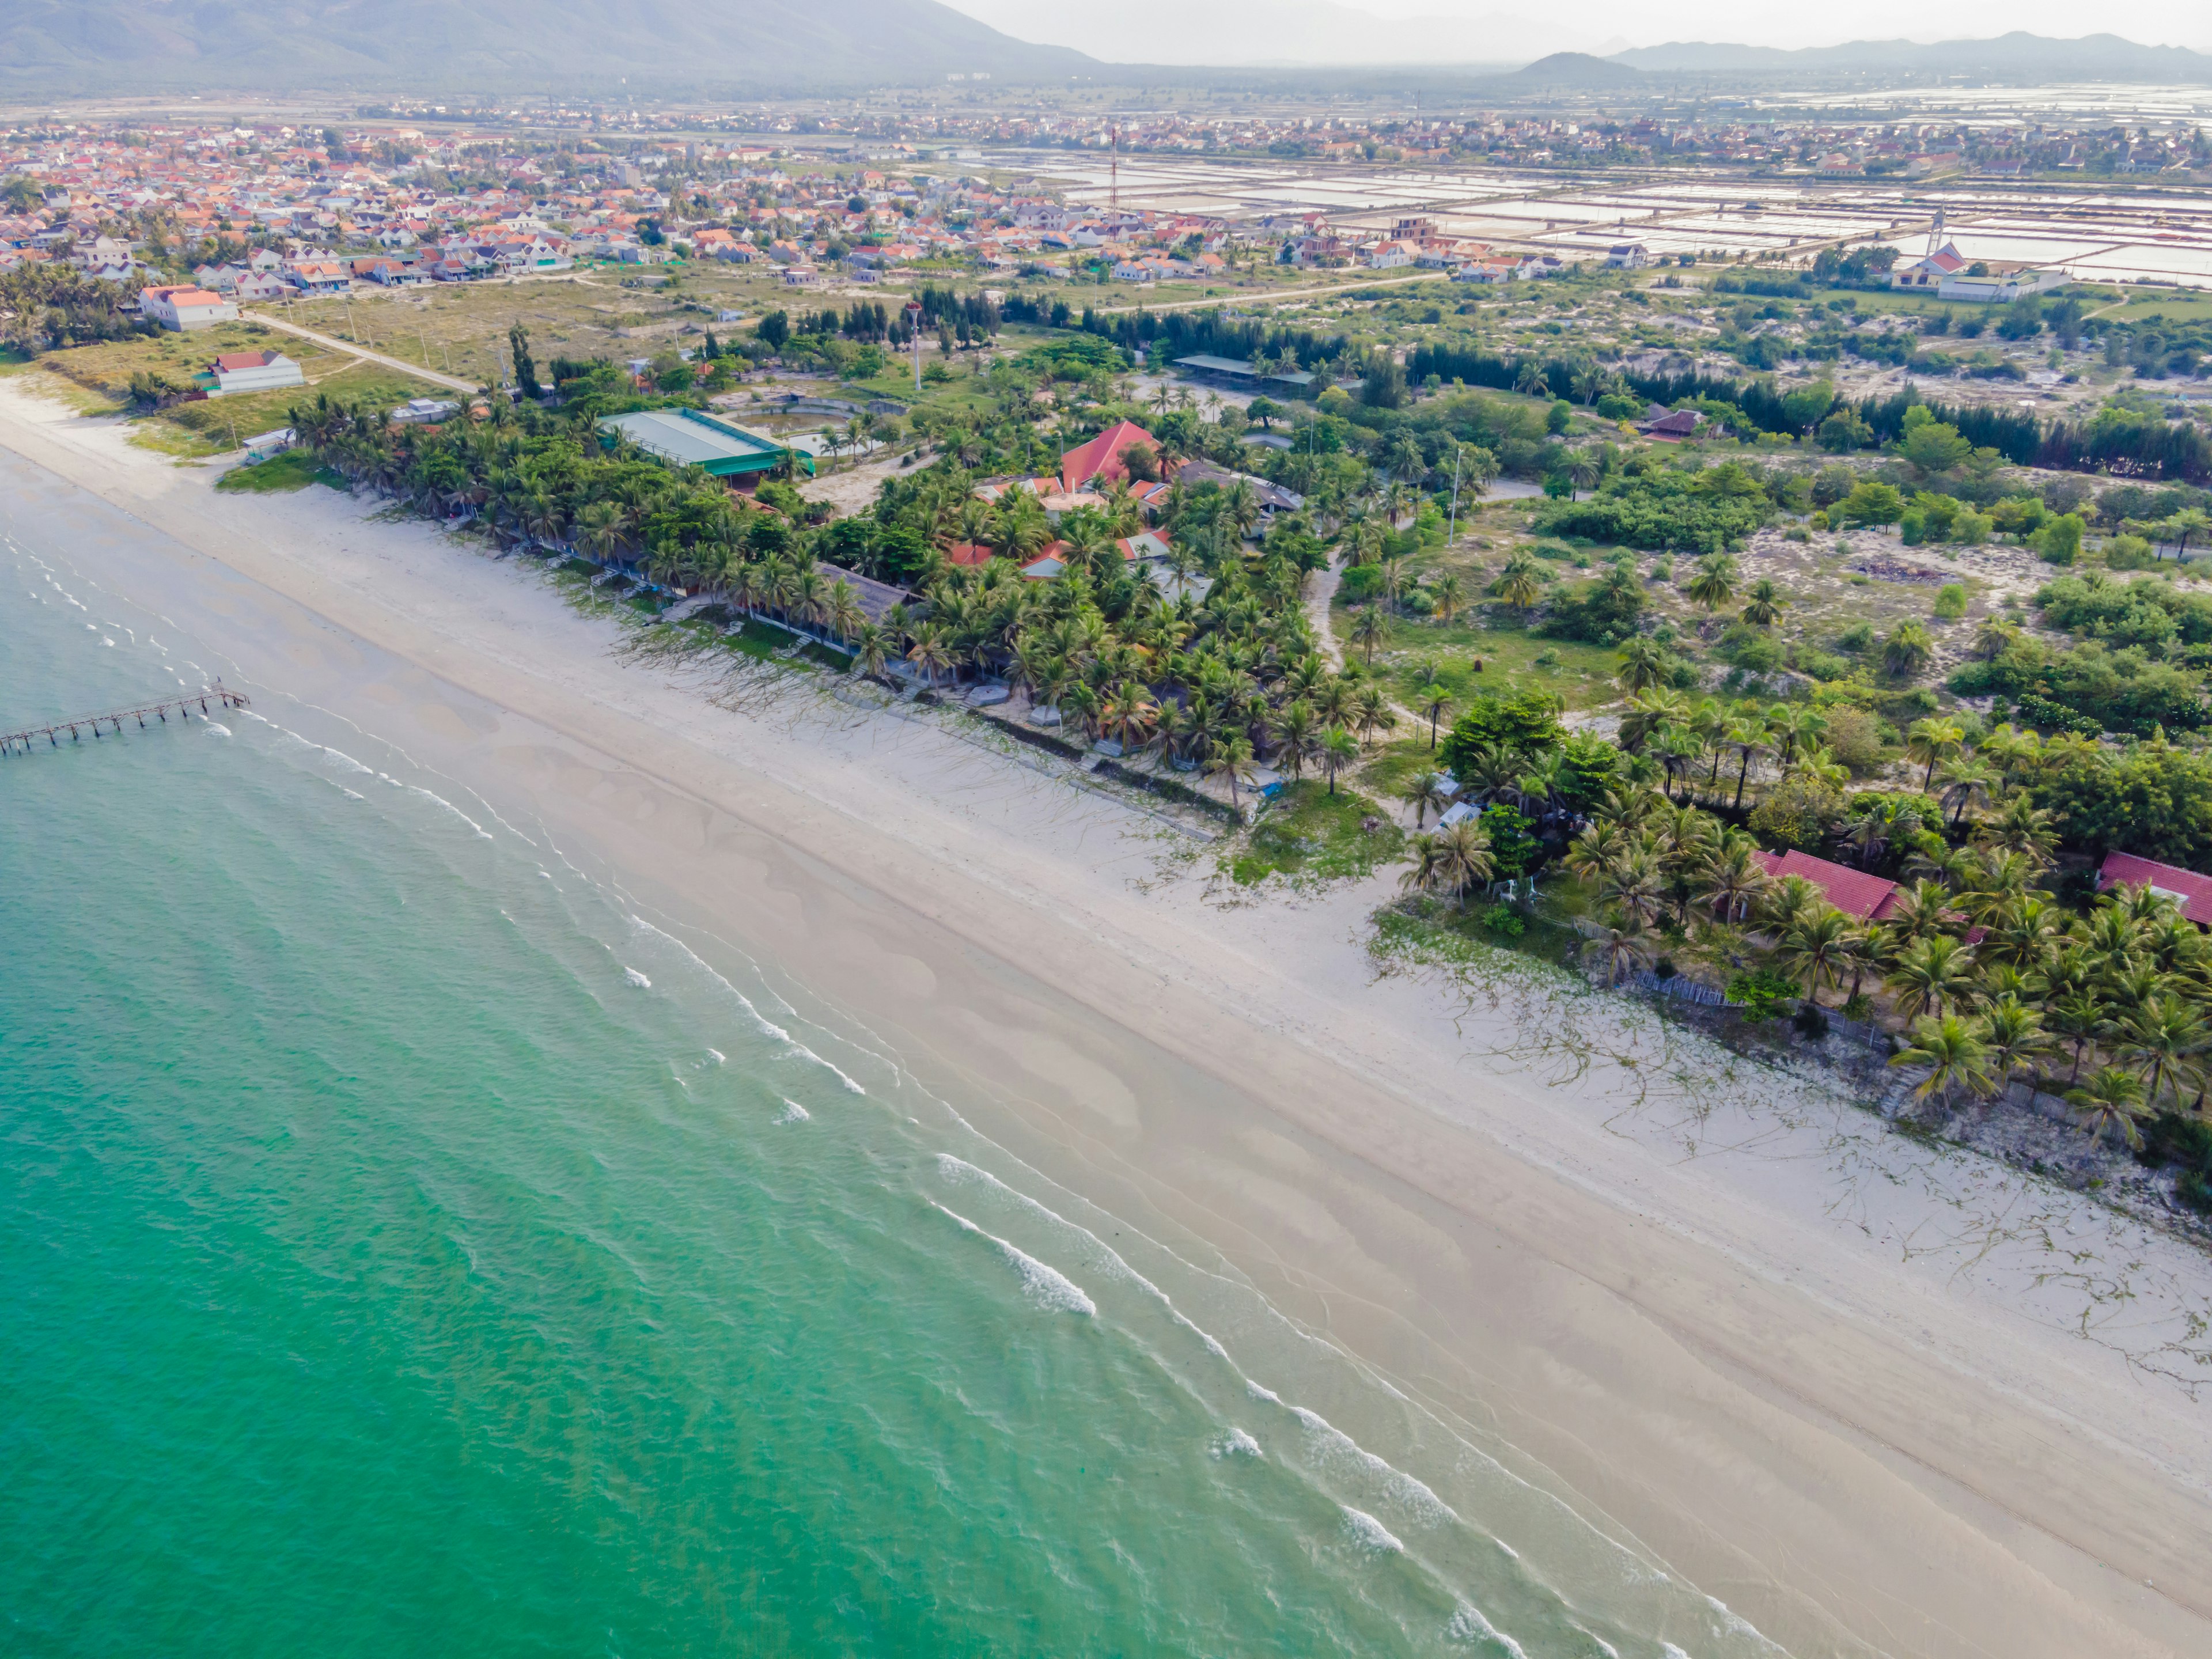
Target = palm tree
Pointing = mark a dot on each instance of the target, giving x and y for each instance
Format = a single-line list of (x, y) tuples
[(2164, 1036), (2111, 1099), (1747, 738), (2021, 827), (1644, 663), (1339, 753), (1232, 757), (1129, 717), (841, 613), (1427, 872), (1371, 711), (930, 651), (1907, 649), (1434, 697), (1953, 1050), (870, 651), (1767, 604), (1791, 726), (1714, 586), (1516, 584), (1584, 469), (1931, 974), (1463, 857), (1632, 887), (1369, 628), (1446, 595), (1964, 778), (1932, 740), (1815, 947), (1424, 791), (1530, 381), (599, 527), (2015, 1036), (1623, 949), (1651, 712), (1733, 878), (1295, 731)]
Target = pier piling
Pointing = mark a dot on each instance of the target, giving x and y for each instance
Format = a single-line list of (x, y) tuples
[(217, 692)]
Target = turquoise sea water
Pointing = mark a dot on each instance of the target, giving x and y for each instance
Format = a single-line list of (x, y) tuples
[(407, 1248)]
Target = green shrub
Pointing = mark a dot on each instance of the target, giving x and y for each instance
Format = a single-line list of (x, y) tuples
[(1950, 601), (1762, 993), (2128, 553), (1504, 919), (1799, 811)]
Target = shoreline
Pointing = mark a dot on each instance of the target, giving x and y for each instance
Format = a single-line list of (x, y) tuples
[(1703, 1330)]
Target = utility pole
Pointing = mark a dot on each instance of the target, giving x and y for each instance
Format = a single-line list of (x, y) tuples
[(1451, 536), (913, 326), (1114, 171)]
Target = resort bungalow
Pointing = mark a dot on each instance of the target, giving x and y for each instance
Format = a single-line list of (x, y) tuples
[(248, 371), (184, 306), (1856, 893), (1273, 497), (1671, 426), (1100, 459), (692, 437), (2188, 889)]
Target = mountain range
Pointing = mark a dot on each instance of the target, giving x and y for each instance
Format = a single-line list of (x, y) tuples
[(606, 48), (2015, 57), (588, 46)]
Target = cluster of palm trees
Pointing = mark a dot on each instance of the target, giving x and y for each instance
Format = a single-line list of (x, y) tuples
[(1992, 977), (1665, 732)]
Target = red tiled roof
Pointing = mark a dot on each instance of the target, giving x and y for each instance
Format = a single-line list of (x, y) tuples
[(967, 553), (1854, 892), (2194, 891), (1101, 457), (231, 361)]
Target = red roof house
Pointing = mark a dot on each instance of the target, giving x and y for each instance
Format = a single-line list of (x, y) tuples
[(2191, 891), (967, 554), (1854, 892), (1101, 457)]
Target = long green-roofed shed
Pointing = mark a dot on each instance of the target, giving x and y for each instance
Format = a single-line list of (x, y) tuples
[(692, 437)]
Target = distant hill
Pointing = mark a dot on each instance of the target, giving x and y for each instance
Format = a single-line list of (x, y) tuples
[(126, 46), (1578, 69), (2018, 57)]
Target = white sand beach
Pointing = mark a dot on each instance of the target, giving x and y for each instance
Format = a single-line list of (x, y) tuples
[(1875, 1395)]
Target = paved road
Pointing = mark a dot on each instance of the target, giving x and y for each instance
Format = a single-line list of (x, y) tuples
[(401, 364)]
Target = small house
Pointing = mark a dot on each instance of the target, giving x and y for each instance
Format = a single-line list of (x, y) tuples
[(233, 372), (2188, 889)]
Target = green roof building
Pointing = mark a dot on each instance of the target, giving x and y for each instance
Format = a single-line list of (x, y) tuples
[(692, 437)]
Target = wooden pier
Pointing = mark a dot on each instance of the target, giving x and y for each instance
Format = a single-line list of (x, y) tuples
[(75, 727)]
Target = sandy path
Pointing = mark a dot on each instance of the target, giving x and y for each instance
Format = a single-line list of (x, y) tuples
[(1875, 1396)]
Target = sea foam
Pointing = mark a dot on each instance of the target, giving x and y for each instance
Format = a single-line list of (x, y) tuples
[(1047, 1285), (1468, 1625), (1369, 1533)]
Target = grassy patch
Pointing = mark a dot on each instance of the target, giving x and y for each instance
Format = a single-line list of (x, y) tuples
[(1398, 763), (1307, 834), (1511, 656), (295, 469)]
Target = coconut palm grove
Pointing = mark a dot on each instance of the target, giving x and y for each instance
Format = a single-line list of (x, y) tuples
[(1335, 643)]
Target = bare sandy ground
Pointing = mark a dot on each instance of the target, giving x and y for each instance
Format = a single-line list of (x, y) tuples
[(1875, 1396)]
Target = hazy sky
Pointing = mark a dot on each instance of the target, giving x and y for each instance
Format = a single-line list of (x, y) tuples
[(1253, 31)]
